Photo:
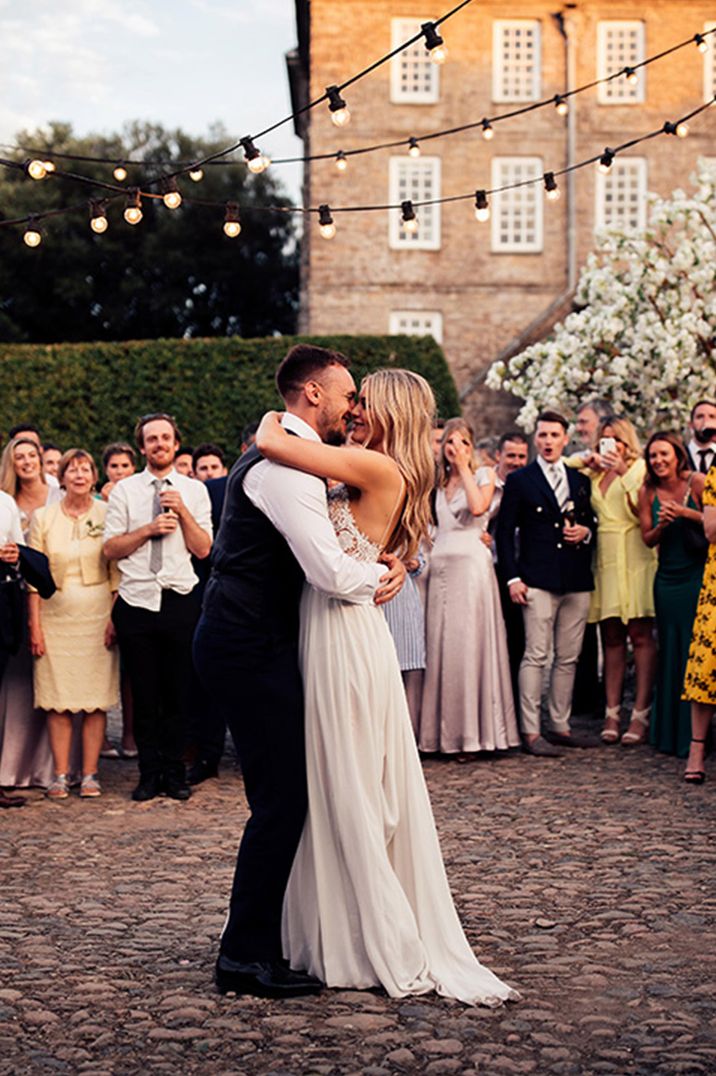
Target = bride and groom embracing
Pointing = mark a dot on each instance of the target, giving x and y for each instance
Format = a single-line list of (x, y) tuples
[(339, 877)]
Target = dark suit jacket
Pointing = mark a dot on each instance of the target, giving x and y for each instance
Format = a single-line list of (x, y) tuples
[(544, 559), (34, 569)]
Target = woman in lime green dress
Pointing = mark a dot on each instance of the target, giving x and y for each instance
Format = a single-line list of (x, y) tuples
[(623, 597), (669, 505), (700, 680)]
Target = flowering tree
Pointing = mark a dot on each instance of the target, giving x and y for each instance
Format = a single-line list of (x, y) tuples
[(645, 334)]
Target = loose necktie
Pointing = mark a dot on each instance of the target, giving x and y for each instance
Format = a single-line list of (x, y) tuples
[(560, 485), (156, 553), (703, 465)]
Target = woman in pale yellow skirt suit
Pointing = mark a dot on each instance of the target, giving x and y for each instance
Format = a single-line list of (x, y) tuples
[(71, 634), (623, 598)]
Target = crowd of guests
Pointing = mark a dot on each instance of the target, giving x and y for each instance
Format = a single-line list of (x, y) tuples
[(538, 577)]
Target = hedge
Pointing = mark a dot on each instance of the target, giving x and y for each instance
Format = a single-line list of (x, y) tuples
[(90, 394)]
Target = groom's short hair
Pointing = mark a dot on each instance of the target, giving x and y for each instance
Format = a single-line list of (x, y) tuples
[(302, 363)]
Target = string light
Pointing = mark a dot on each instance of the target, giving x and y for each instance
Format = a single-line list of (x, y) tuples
[(434, 43), (631, 76), (409, 223), (340, 115), (120, 172), (98, 219), (482, 207), (36, 169), (255, 160), (171, 197), (133, 212), (341, 161), (488, 131), (232, 227), (606, 161), (325, 222), (197, 174), (413, 147), (681, 129), (32, 236), (550, 186), (50, 166), (560, 105), (701, 43)]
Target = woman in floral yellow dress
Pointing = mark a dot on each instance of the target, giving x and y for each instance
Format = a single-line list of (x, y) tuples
[(700, 678)]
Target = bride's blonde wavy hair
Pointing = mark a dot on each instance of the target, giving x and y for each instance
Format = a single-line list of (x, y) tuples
[(400, 410)]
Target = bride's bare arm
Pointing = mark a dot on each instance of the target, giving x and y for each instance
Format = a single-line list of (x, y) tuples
[(360, 468)]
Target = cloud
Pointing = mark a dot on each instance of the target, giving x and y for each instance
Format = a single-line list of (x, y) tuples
[(273, 11)]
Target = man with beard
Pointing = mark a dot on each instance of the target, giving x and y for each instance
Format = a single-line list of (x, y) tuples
[(702, 446), (156, 520)]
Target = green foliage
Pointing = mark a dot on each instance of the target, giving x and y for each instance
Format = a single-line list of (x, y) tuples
[(174, 274), (90, 394)]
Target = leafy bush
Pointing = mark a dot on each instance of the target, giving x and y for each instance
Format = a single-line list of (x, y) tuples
[(90, 394)]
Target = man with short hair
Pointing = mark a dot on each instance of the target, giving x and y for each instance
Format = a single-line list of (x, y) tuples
[(156, 520), (702, 445), (51, 456), (184, 462), (589, 414), (208, 462), (549, 577)]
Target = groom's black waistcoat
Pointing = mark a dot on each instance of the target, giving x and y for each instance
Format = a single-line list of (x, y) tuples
[(255, 580)]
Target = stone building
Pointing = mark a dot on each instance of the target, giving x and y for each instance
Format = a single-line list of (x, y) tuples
[(486, 289)]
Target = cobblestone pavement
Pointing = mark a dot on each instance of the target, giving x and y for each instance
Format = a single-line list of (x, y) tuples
[(587, 882)]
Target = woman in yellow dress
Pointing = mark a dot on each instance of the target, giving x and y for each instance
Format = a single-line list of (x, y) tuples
[(623, 598), (71, 634), (700, 678)]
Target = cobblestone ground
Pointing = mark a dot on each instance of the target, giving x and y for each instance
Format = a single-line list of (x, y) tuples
[(586, 882)]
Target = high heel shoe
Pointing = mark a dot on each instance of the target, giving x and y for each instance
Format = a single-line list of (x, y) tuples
[(637, 735), (611, 735), (695, 777)]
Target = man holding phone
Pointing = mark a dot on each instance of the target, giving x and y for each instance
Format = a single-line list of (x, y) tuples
[(156, 521)]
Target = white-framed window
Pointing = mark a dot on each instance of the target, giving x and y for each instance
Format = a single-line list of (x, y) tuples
[(516, 60), (414, 78), (517, 213), (620, 43), (621, 194), (417, 323), (710, 63), (414, 180)]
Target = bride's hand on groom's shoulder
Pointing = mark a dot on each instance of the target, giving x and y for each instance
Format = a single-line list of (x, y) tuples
[(269, 428), (392, 582)]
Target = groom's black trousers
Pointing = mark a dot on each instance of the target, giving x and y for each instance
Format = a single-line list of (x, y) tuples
[(258, 687)]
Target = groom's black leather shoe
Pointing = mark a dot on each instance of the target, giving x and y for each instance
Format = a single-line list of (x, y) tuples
[(264, 979)]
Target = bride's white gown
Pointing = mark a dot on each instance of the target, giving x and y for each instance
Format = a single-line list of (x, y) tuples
[(368, 902)]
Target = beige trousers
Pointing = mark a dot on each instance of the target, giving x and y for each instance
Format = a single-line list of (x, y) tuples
[(554, 624)]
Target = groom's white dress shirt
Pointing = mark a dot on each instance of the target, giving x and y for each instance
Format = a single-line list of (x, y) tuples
[(295, 502)]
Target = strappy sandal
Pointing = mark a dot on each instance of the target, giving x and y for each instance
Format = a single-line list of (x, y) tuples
[(610, 733), (695, 777), (58, 788), (90, 787), (640, 718)]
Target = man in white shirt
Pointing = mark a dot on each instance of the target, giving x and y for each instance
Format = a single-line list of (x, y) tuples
[(156, 520), (275, 534), (702, 446)]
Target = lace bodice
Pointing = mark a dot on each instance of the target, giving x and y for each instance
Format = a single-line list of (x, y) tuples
[(351, 540)]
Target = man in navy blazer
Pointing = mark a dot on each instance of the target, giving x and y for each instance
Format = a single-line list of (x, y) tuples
[(546, 531)]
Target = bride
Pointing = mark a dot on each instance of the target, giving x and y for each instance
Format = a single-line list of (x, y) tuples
[(368, 902)]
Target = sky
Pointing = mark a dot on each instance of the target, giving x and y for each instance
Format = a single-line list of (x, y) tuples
[(183, 63)]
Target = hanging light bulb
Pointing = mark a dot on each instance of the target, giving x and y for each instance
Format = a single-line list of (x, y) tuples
[(340, 115), (32, 236), (98, 218), (488, 131), (171, 197), (196, 174), (631, 76), (341, 161), (560, 105), (325, 222), (434, 43), (682, 130), (50, 166), (409, 223), (119, 172), (701, 43), (413, 147), (36, 169), (550, 186), (605, 161), (482, 207), (133, 211), (255, 160), (232, 227)]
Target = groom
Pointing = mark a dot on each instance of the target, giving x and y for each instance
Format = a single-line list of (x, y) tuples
[(275, 532)]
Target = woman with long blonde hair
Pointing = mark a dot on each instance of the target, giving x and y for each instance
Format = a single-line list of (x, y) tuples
[(368, 902)]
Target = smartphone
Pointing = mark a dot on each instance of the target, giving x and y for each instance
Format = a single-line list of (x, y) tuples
[(606, 445)]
